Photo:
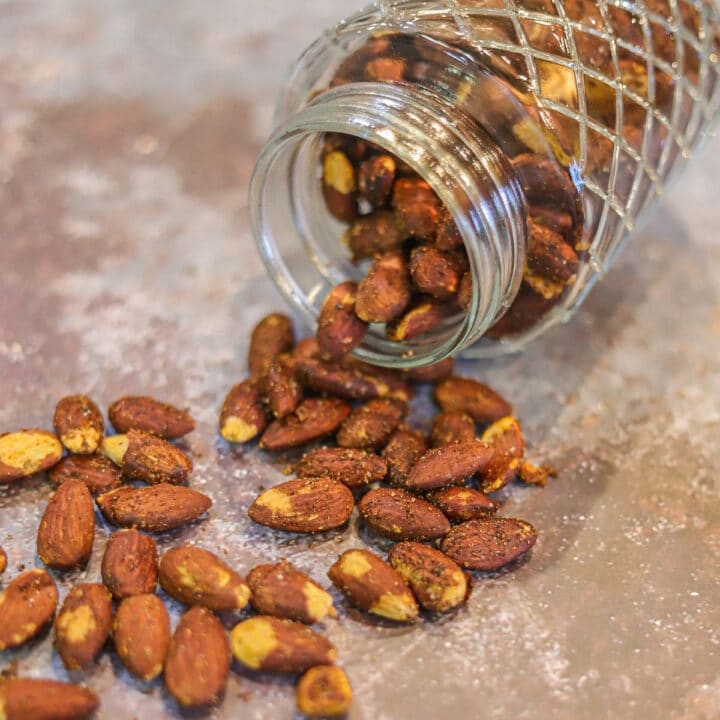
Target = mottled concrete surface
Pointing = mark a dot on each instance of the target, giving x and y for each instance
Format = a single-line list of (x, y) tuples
[(127, 134)]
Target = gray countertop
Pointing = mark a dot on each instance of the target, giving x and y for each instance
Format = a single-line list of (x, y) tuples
[(128, 131)]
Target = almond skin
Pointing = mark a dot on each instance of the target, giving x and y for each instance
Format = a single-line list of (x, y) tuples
[(155, 508), (451, 426), (96, 471), (479, 401), (324, 691), (198, 577), (26, 452), (398, 515), (339, 329), (403, 450), (506, 440), (139, 412), (130, 564), (462, 503), (243, 415), (372, 585), (335, 379), (83, 624), (36, 699), (282, 646), (306, 505), (79, 424), (354, 468), (448, 465), (27, 605), (431, 373), (371, 425), (67, 529), (489, 543), (271, 337), (283, 591), (142, 635), (198, 659)]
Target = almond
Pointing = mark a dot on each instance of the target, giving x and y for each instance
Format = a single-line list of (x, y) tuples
[(67, 529), (96, 471), (448, 236), (198, 577), (371, 425), (488, 543), (354, 468), (334, 379), (242, 416), (155, 508), (371, 584), (462, 503), (464, 296), (3, 560), (384, 293), (527, 308), (142, 635), (397, 388), (130, 564), (534, 474), (421, 318), (448, 465), (26, 452), (282, 390), (398, 515), (275, 645), (437, 582), (324, 691), (79, 424), (271, 337), (505, 438), (27, 605), (431, 373), (435, 272), (451, 426), (83, 625), (36, 699), (198, 659), (339, 329), (306, 505), (472, 397), (146, 413), (283, 591), (405, 447), (373, 234), (550, 257), (417, 206), (376, 176), (339, 186)]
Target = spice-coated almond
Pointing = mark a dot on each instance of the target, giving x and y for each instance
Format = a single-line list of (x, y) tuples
[(79, 424), (435, 272), (282, 389), (463, 299), (271, 337), (339, 329), (550, 257), (373, 234), (535, 474), (67, 529), (431, 373), (527, 308), (26, 452), (479, 401), (306, 505), (196, 576), (417, 206), (451, 426), (27, 605), (38, 699), (145, 413), (142, 635), (83, 624), (404, 448), (421, 318), (370, 425), (376, 176), (505, 438), (339, 186), (355, 468), (243, 415), (448, 236), (130, 564), (96, 471), (277, 645), (462, 503), (335, 379), (448, 465), (373, 585), (3, 560), (324, 691), (384, 292), (397, 387)]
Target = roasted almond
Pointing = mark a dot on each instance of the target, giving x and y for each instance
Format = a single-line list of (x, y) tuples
[(405, 447), (505, 438), (276, 645), (83, 624), (431, 373), (463, 299), (451, 426), (142, 635), (27, 605), (67, 529), (354, 468), (283, 591), (130, 564), (488, 543), (335, 379), (155, 508), (37, 699), (435, 272), (398, 515), (376, 176), (462, 503), (397, 388), (370, 425), (527, 308), (448, 465), (472, 397), (3, 560), (417, 206), (437, 582), (313, 419), (339, 186), (146, 413), (448, 236), (421, 318), (372, 585), (324, 691), (306, 505), (26, 452), (339, 329), (282, 389), (271, 337), (243, 415), (195, 576), (96, 471), (373, 234), (535, 474), (147, 457), (384, 292), (198, 659), (550, 257), (79, 424)]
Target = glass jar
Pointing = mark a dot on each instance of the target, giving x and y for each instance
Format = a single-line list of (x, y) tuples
[(567, 115)]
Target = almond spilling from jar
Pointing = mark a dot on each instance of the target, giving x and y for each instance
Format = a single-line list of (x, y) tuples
[(324, 691), (195, 576), (339, 328), (146, 413), (83, 624), (283, 646), (431, 373), (3, 560), (37, 699), (421, 318), (550, 257), (435, 272), (450, 427), (459, 504), (385, 291), (371, 584), (339, 186), (466, 395), (448, 465), (79, 424), (130, 564), (448, 236), (282, 389), (96, 471), (437, 582), (243, 415), (305, 505), (354, 468), (505, 438), (397, 388), (376, 176), (404, 448), (26, 452), (417, 206), (271, 337), (371, 425), (398, 515), (335, 379), (374, 234)]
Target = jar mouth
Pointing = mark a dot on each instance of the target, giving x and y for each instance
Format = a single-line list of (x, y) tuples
[(300, 242)]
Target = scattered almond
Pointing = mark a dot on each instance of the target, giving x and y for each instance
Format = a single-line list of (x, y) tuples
[(404, 448), (282, 389), (370, 425), (431, 373), (130, 564), (243, 416), (79, 424), (38, 699), (339, 329), (462, 503), (146, 413), (324, 691), (344, 382), (27, 605), (26, 452), (505, 438), (355, 468), (448, 465), (3, 560), (472, 397), (96, 471), (271, 337), (451, 426)]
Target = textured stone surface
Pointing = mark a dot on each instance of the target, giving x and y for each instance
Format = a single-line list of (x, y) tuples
[(127, 135)]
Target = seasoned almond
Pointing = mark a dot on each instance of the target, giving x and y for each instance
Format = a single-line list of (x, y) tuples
[(324, 691), (276, 645), (83, 624), (448, 236), (451, 426), (195, 576), (306, 505), (373, 234), (130, 564), (506, 440), (79, 424), (417, 206), (472, 397), (448, 465), (335, 379), (3, 560), (271, 337), (37, 699), (146, 413), (384, 292), (397, 388), (27, 605), (26, 452), (437, 582), (67, 529), (463, 298), (155, 508), (282, 389), (242, 416), (339, 186), (435, 272), (398, 515), (142, 635), (462, 503), (354, 468), (198, 659), (488, 543), (283, 591), (405, 447), (96, 471), (370, 425), (421, 318), (339, 329), (372, 585), (314, 419), (527, 308), (535, 474), (550, 257), (376, 176), (431, 373)]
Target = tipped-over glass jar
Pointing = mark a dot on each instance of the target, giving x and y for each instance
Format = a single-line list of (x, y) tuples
[(543, 128)]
